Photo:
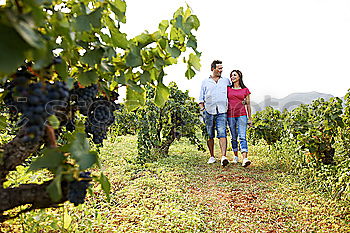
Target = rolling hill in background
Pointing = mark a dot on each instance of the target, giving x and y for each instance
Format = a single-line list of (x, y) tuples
[(291, 101)]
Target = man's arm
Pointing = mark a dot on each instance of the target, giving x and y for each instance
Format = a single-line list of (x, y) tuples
[(201, 97)]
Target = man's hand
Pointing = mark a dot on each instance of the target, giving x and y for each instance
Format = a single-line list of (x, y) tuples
[(202, 113)]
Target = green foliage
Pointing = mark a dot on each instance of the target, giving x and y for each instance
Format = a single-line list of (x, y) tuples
[(125, 122), (313, 126), (343, 148), (267, 125), (159, 127), (86, 37), (345, 130), (316, 126), (56, 160), (312, 141)]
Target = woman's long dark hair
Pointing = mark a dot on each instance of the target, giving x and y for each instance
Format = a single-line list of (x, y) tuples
[(241, 83)]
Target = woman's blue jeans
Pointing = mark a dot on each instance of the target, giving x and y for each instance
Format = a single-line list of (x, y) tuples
[(238, 129)]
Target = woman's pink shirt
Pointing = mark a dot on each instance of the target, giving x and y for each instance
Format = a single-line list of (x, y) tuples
[(235, 106)]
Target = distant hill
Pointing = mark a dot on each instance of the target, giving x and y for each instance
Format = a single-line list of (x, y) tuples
[(291, 101)]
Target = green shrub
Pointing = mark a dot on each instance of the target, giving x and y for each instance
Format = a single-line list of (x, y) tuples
[(159, 127)]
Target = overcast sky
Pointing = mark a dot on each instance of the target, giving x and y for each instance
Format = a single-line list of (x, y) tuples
[(281, 46)]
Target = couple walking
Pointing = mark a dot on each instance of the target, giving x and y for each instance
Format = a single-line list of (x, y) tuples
[(223, 101)]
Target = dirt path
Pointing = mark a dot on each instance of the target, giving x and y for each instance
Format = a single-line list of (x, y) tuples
[(249, 199)]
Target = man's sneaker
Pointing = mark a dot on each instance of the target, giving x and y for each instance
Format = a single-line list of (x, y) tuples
[(246, 162), (224, 161), (235, 160), (211, 160)]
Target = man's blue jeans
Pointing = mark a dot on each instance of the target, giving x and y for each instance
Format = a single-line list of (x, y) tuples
[(238, 129), (216, 122)]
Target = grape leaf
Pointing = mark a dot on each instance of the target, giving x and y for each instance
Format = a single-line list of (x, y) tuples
[(134, 59), (134, 99), (29, 35), (54, 189), (13, 49), (50, 159), (105, 185), (95, 17), (87, 78), (174, 51), (194, 61), (3, 122), (82, 23), (162, 94), (190, 73), (54, 122), (93, 57), (80, 151), (163, 26)]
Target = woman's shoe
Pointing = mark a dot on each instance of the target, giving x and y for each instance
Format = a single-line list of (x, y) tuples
[(235, 160)]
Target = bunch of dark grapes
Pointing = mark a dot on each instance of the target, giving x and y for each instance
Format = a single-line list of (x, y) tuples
[(10, 104), (99, 131), (100, 117), (84, 97), (38, 104), (98, 110), (35, 101), (77, 189), (11, 108), (20, 81)]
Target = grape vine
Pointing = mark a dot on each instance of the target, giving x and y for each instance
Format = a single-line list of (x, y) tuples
[(67, 61), (319, 131)]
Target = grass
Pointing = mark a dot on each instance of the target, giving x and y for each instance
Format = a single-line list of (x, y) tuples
[(182, 193)]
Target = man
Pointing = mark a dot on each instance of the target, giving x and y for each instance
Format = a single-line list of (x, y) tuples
[(213, 103)]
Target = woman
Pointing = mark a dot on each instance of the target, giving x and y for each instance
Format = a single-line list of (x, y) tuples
[(237, 113)]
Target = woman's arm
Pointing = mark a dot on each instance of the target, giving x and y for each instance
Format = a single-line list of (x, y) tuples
[(249, 110)]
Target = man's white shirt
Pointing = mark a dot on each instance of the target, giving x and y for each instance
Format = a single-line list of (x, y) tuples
[(214, 95)]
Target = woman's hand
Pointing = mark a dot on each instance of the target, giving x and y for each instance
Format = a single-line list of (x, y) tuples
[(250, 123)]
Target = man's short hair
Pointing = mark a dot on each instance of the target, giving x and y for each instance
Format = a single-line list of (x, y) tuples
[(214, 63)]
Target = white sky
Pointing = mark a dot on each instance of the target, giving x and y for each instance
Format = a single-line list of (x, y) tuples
[(281, 46)]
